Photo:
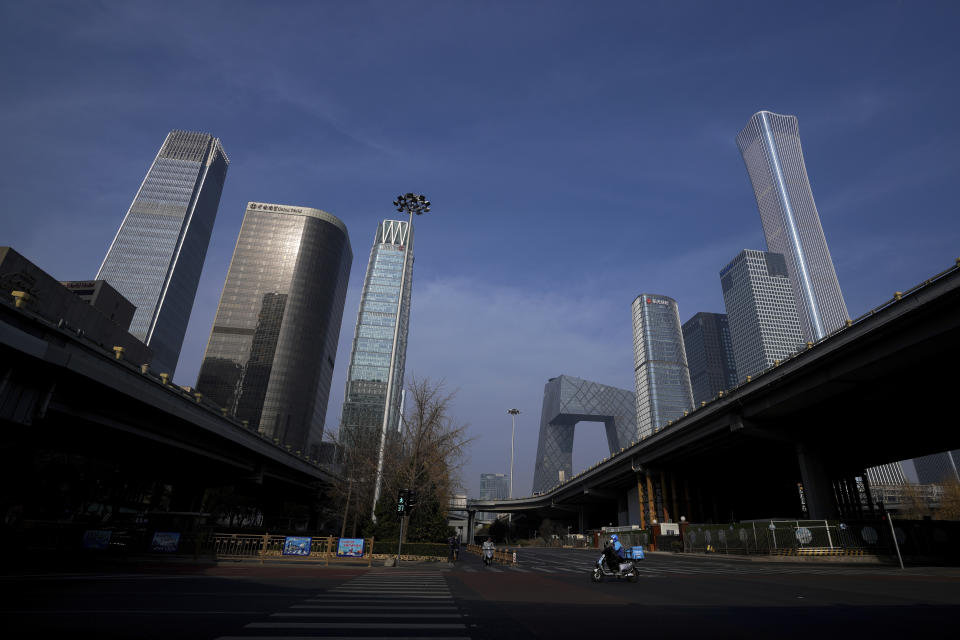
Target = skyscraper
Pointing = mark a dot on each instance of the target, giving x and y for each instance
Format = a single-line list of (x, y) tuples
[(156, 258), (568, 401), (770, 145), (659, 363), (938, 467), (274, 339), (706, 338), (366, 390), (493, 486), (764, 326)]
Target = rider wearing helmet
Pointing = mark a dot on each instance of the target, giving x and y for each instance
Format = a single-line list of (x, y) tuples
[(617, 547), (614, 553)]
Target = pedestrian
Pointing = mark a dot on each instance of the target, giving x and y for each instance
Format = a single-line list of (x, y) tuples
[(451, 541), (454, 548)]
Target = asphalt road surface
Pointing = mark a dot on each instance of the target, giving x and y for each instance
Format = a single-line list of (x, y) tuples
[(547, 595)]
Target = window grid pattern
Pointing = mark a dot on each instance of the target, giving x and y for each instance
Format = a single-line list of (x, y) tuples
[(567, 401), (273, 345), (706, 338), (661, 374), (366, 390), (493, 486), (156, 258), (771, 150), (761, 311)]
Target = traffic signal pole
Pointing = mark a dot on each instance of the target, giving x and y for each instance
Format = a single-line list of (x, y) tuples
[(405, 498), (400, 540)]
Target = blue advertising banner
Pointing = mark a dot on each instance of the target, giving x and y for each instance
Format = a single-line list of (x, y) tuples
[(95, 539), (350, 548), (296, 546), (165, 542)]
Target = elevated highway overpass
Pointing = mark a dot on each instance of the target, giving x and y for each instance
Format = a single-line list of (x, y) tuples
[(61, 395), (791, 441)]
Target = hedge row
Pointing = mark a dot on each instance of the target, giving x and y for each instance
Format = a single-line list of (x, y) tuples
[(412, 548)]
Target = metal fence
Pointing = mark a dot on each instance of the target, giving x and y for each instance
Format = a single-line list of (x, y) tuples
[(69, 538), (245, 546), (773, 536)]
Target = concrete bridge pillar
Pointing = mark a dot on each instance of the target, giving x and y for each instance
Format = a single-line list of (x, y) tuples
[(641, 504), (817, 488), (471, 517), (650, 499)]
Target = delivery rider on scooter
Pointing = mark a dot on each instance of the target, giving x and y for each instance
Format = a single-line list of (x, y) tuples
[(615, 554)]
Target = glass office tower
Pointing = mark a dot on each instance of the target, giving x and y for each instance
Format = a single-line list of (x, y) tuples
[(706, 338), (156, 258), (764, 326), (366, 391), (270, 356), (659, 363), (493, 486), (770, 145)]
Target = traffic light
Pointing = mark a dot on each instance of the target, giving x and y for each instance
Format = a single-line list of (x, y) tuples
[(411, 498), (402, 503)]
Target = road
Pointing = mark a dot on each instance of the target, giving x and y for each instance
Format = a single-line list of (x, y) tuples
[(548, 595)]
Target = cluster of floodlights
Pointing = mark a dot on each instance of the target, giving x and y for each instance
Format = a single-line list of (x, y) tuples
[(412, 203)]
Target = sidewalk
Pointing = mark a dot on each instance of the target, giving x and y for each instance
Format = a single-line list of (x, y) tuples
[(93, 563), (759, 557)]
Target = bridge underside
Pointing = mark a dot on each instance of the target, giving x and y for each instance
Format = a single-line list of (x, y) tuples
[(85, 438)]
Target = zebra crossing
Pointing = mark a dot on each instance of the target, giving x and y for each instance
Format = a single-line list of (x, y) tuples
[(517, 569), (377, 604), (659, 567)]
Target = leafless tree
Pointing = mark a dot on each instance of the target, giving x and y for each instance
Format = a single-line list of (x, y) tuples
[(425, 456), (949, 501), (428, 455)]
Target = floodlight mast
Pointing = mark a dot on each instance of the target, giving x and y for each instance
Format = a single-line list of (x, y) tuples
[(513, 431)]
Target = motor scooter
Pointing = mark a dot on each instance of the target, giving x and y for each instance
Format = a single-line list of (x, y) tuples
[(487, 553), (627, 568)]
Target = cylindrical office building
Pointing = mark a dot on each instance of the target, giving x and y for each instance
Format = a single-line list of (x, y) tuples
[(659, 363), (274, 340)]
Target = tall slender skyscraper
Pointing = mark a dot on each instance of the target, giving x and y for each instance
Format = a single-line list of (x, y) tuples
[(706, 338), (156, 258), (366, 391), (764, 326), (770, 145), (659, 363), (274, 339)]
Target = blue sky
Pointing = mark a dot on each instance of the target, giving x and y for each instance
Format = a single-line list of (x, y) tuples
[(576, 153)]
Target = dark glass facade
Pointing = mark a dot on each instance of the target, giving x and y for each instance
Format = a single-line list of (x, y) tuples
[(366, 390), (271, 352), (156, 258), (938, 467), (659, 362), (706, 338)]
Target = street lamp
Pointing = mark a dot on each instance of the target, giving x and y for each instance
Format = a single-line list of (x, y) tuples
[(513, 431), (409, 203)]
